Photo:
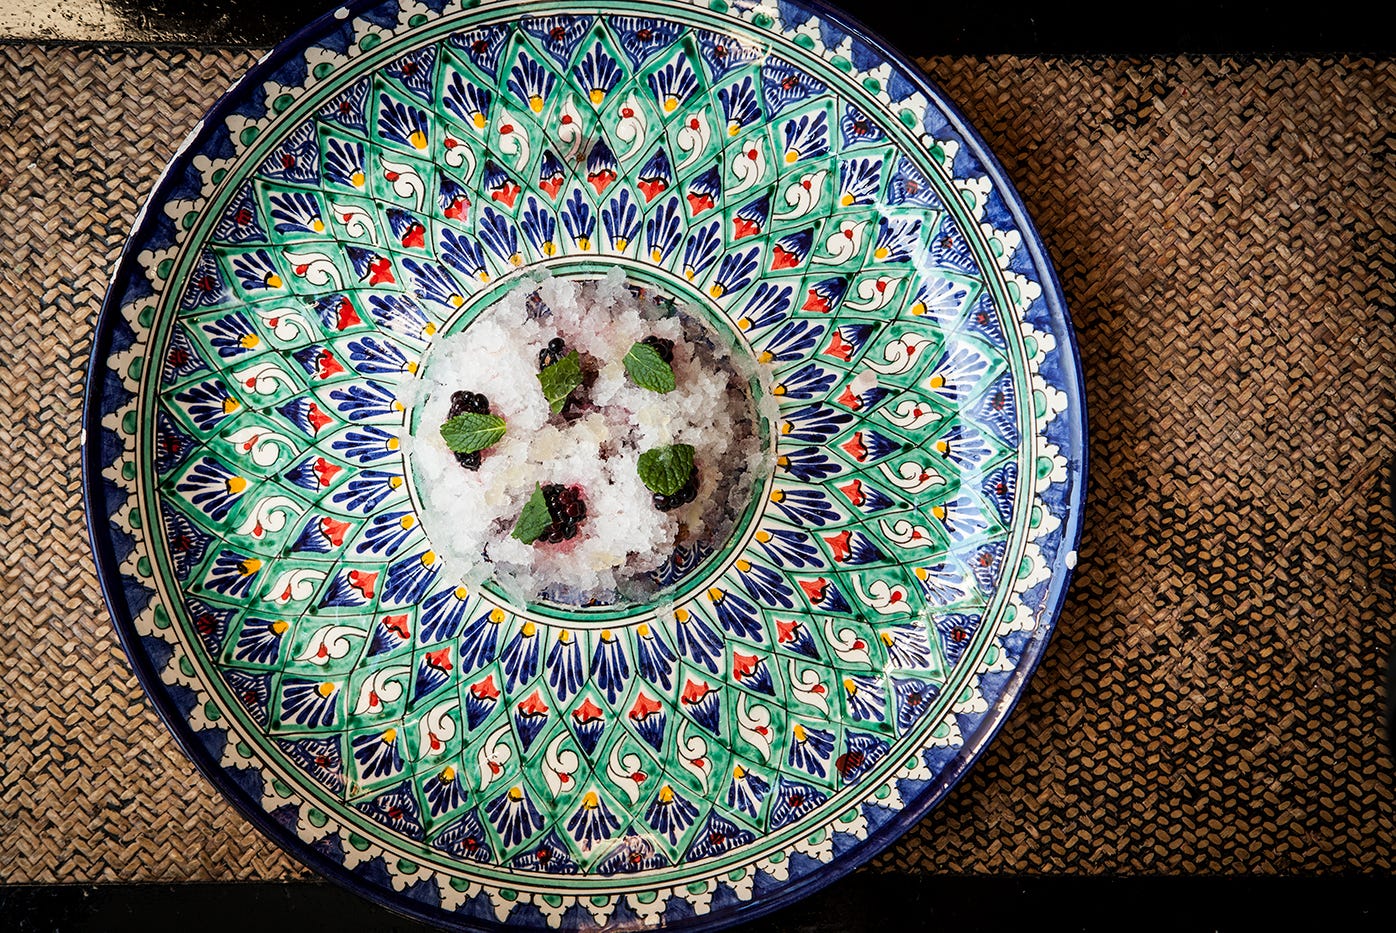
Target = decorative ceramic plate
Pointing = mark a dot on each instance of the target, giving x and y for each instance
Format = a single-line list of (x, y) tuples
[(791, 698)]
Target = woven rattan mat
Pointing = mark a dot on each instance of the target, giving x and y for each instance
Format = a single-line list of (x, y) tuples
[(1212, 700)]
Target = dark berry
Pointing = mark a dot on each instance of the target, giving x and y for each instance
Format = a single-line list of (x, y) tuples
[(665, 348), (471, 461), (685, 494), (554, 351), (566, 509)]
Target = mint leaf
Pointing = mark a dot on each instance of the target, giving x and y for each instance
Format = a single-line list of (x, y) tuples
[(647, 369), (665, 469), (559, 379), (534, 519), (472, 431)]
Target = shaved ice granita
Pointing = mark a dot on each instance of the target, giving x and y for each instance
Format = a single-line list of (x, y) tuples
[(586, 442)]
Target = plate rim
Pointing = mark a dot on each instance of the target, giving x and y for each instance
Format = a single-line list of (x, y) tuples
[(153, 688)]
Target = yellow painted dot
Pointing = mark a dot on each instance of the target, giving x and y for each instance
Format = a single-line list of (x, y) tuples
[(389, 737), (744, 565), (249, 341), (418, 139), (236, 484), (496, 615), (273, 281), (394, 443), (462, 592), (936, 381), (479, 120), (666, 794), (325, 689), (791, 156), (715, 594), (529, 630), (407, 521), (395, 482), (535, 103), (939, 512), (590, 801), (250, 566), (597, 96), (681, 615), (230, 405), (448, 775), (799, 732), (763, 536), (357, 179), (738, 772), (280, 626)]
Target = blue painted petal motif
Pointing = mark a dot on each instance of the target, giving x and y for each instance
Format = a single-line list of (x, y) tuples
[(260, 640), (360, 401), (610, 670), (735, 614), (558, 34), (859, 181), (349, 108), (696, 641), (806, 137), (444, 793), (735, 272), (345, 164), (808, 464), (403, 124), (863, 752), (747, 792), (397, 809), (810, 749), (415, 71), (320, 758), (239, 222), (716, 837), (673, 84), (480, 640), (530, 82), (804, 505), (641, 37), (365, 491), (309, 703), (442, 614), (255, 271), (187, 541), (856, 128), (670, 814), (377, 754), (597, 73), (465, 839), (783, 85), (550, 855), (565, 665), (232, 574), (913, 700), (253, 692), (593, 822), (789, 548), (483, 46), (792, 801), (520, 657), (792, 342), (297, 159), (765, 585), (409, 578), (663, 231), (296, 212)]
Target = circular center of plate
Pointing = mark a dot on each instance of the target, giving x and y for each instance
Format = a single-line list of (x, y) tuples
[(621, 546)]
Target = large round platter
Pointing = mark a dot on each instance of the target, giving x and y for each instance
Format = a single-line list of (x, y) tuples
[(798, 694)]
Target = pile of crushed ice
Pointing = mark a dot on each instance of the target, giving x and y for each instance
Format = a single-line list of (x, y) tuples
[(595, 445)]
